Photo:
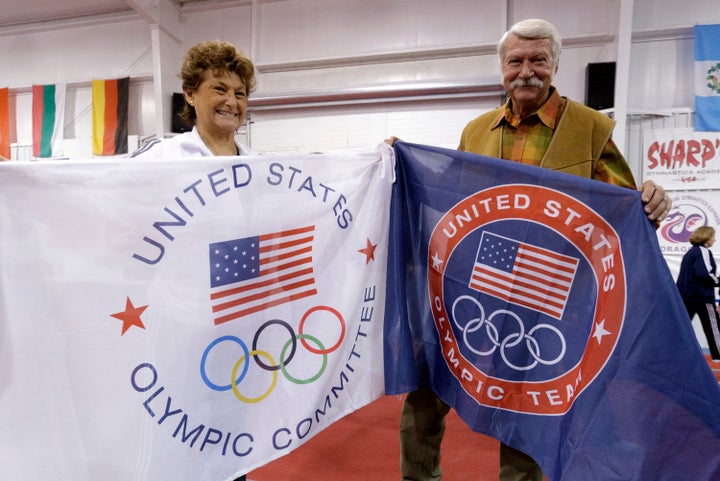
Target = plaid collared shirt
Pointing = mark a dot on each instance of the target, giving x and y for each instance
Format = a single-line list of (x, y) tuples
[(527, 141)]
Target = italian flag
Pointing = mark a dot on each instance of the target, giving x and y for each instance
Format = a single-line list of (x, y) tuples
[(4, 123), (48, 107), (110, 116)]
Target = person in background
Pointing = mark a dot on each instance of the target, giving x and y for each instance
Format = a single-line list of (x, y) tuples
[(697, 281), (216, 81), (536, 126)]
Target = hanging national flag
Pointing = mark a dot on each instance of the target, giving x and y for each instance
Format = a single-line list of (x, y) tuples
[(707, 77), (110, 116), (523, 274), (5, 123), (617, 388), (48, 108), (260, 272)]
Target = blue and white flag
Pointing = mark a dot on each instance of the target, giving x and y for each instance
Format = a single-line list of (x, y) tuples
[(186, 319), (707, 77), (582, 355)]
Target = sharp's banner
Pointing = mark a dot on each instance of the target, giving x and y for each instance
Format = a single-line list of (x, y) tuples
[(681, 159), (186, 319), (539, 306)]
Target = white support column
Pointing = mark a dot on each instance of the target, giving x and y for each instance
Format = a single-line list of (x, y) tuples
[(167, 56), (622, 76), (159, 13), (166, 35), (157, 82), (255, 29)]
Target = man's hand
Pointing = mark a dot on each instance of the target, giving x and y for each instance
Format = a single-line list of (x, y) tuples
[(657, 201)]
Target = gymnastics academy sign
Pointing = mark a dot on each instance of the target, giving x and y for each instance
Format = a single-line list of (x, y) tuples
[(681, 159), (191, 319)]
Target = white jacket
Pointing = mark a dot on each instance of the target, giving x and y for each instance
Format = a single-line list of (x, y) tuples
[(188, 144)]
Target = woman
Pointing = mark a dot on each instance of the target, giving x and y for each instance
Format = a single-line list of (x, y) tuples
[(697, 281), (216, 80)]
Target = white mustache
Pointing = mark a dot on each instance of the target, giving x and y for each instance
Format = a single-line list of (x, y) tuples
[(527, 82)]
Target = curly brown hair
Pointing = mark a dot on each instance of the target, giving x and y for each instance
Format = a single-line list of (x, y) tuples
[(220, 57)]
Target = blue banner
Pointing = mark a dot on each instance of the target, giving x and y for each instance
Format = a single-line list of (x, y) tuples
[(538, 305), (707, 77)]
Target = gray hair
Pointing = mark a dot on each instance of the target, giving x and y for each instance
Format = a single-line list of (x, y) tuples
[(534, 29)]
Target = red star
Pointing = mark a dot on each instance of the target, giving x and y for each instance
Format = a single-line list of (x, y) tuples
[(369, 252), (130, 316)]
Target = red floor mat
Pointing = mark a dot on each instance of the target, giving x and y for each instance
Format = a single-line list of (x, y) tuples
[(714, 366), (364, 446)]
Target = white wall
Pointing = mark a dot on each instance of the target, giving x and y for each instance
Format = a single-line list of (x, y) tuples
[(77, 55), (662, 51), (302, 47)]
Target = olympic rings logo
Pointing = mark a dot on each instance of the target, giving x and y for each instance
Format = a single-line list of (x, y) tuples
[(510, 341), (265, 360)]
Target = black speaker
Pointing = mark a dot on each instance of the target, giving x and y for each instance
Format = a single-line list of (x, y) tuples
[(179, 125), (600, 85)]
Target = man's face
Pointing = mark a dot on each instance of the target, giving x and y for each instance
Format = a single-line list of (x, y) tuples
[(527, 71)]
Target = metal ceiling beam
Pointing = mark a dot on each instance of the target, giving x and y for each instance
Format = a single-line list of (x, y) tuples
[(159, 13)]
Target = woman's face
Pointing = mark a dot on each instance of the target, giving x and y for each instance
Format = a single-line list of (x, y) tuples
[(710, 241), (220, 103)]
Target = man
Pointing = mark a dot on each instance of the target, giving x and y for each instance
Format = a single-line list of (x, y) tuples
[(539, 127)]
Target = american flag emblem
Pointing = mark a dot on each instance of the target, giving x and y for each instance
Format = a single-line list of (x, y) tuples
[(254, 273), (523, 274)]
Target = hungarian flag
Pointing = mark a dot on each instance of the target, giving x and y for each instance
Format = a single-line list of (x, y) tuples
[(48, 107), (707, 77), (577, 349), (110, 116), (5, 123)]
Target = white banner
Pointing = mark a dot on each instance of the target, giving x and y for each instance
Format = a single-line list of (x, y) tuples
[(690, 210), (680, 159), (188, 319)]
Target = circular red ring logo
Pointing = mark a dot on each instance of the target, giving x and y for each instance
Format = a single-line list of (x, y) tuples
[(579, 225)]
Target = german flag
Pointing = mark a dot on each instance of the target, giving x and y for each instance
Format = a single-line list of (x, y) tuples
[(110, 116)]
